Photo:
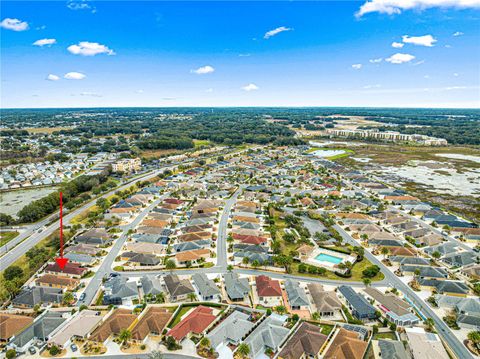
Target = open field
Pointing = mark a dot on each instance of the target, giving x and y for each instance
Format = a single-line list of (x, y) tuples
[(13, 201), (46, 130), (446, 176), (158, 153), (201, 143)]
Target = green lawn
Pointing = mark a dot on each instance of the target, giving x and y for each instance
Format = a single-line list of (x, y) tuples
[(200, 143), (6, 237), (183, 310), (388, 335)]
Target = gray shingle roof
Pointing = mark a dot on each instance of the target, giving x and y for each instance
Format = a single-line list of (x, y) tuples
[(269, 334), (296, 294), (40, 328), (206, 287), (231, 330), (237, 288)]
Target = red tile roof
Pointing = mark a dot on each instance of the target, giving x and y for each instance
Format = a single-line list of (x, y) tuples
[(196, 322), (267, 287), (70, 268), (249, 239), (173, 201)]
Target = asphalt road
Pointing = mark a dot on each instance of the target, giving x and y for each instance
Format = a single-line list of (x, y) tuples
[(222, 230), (443, 330), (106, 265)]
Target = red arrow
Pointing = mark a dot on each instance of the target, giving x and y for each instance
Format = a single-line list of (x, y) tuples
[(62, 262)]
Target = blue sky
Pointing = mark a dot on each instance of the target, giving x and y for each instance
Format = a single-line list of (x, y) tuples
[(339, 53)]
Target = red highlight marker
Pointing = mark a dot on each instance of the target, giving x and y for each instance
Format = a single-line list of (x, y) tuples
[(62, 262)]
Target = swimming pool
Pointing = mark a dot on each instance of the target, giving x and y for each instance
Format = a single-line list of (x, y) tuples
[(322, 257)]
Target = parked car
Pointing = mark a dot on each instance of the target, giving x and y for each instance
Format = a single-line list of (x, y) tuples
[(82, 296), (74, 347), (32, 350)]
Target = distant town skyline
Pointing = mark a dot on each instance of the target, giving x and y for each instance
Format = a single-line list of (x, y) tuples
[(375, 53)]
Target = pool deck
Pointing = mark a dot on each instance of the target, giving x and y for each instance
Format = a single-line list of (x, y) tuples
[(332, 266)]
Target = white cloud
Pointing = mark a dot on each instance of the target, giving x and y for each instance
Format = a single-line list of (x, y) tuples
[(81, 5), (90, 94), (399, 58), (244, 55), (14, 24), (276, 31), (357, 66), (52, 77), (375, 61), (376, 86), (86, 48), (458, 33), (425, 40), (391, 7), (448, 46), (139, 91), (397, 45), (45, 42), (74, 76), (426, 76), (209, 90), (418, 63), (250, 87), (207, 69)]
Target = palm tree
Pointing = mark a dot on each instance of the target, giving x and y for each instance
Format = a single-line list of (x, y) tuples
[(245, 260), (192, 297), (68, 298), (160, 297), (229, 267), (170, 264), (367, 281), (474, 337), (430, 324), (316, 316), (280, 309), (384, 251), (205, 342), (244, 350), (125, 335)]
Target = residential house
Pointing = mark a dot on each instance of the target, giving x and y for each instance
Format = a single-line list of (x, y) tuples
[(297, 297), (39, 330), (152, 321), (395, 309), (231, 330), (73, 270), (207, 288), (423, 344), (118, 291), (177, 289), (11, 325), (195, 323), (305, 343), (389, 349), (79, 326), (151, 285), (237, 288), (357, 303), (269, 292), (57, 281), (95, 236), (112, 325), (31, 296), (326, 303), (269, 334), (447, 287), (346, 344)]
